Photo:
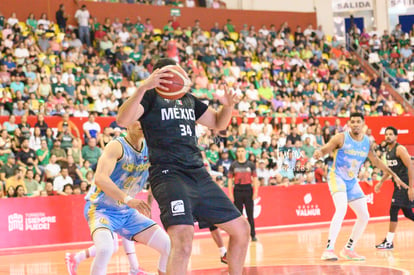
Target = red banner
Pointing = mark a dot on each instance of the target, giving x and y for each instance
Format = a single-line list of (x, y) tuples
[(59, 219), (404, 124)]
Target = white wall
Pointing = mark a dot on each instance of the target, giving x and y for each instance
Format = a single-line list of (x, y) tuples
[(274, 5)]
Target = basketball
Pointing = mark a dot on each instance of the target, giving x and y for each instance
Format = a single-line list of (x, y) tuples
[(178, 87)]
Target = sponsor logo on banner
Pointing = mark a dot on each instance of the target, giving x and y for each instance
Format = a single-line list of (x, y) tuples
[(30, 221), (308, 209), (401, 3), (400, 131), (370, 198), (351, 5)]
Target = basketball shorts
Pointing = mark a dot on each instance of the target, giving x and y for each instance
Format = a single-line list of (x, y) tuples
[(127, 223), (400, 198), (351, 187), (185, 195)]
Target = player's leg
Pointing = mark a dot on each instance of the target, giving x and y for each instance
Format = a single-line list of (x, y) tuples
[(358, 204), (249, 205), (171, 191), (239, 231), (216, 235), (216, 208), (340, 200), (129, 248), (388, 241), (103, 240), (408, 213), (156, 238), (238, 199)]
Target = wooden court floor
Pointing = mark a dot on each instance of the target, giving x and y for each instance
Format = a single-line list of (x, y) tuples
[(284, 251)]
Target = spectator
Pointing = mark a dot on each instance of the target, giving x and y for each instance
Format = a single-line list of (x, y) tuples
[(82, 15), (31, 184), (16, 179), (49, 189), (9, 168), (59, 152), (26, 155), (20, 191), (91, 128), (61, 18), (61, 180), (90, 152), (52, 169)]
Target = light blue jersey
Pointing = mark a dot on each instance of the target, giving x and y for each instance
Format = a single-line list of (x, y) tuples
[(130, 174), (347, 161)]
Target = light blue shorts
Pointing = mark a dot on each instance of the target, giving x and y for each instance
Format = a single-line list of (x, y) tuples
[(351, 187), (127, 223)]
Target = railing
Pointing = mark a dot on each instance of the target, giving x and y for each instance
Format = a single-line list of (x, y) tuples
[(385, 76)]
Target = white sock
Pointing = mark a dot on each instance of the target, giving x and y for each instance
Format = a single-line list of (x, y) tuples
[(390, 237), (341, 203), (223, 251), (104, 248), (129, 247), (361, 210), (84, 254)]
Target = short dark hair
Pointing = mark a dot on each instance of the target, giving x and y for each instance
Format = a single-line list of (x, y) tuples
[(357, 114), (393, 129), (162, 62)]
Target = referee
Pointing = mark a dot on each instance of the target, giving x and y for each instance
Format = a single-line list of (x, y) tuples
[(242, 173)]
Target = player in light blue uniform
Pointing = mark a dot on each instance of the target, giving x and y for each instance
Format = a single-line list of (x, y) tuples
[(121, 173), (350, 150)]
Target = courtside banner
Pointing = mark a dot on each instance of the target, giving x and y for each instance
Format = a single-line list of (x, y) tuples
[(59, 219), (404, 124)]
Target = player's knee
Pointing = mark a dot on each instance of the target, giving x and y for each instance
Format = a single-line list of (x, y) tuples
[(408, 213), (364, 216)]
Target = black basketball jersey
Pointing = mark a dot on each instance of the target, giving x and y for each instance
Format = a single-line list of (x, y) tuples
[(396, 165), (169, 129)]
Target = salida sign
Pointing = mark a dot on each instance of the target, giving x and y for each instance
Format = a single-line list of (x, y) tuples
[(351, 5)]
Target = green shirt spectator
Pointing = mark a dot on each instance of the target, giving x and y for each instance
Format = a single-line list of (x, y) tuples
[(90, 152), (136, 56), (43, 155)]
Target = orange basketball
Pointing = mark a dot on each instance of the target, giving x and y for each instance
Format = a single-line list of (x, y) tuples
[(179, 86)]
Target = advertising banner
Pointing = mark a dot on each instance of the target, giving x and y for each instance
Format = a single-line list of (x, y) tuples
[(59, 219)]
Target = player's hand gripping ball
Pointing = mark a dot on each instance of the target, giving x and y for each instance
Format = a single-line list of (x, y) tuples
[(179, 86)]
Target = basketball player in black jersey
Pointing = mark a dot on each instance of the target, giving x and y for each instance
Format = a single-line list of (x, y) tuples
[(400, 163), (179, 181)]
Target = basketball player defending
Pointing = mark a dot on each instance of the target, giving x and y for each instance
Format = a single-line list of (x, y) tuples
[(399, 160), (179, 181), (350, 149), (72, 260), (121, 173)]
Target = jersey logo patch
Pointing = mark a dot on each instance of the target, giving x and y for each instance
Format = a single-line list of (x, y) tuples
[(177, 208)]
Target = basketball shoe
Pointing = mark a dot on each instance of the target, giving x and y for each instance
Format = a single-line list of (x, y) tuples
[(351, 255), (224, 258), (71, 263), (385, 245), (139, 272), (329, 255)]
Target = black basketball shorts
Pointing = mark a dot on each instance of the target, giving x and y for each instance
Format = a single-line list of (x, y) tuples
[(185, 195)]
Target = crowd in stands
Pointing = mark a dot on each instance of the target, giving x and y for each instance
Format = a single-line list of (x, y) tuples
[(49, 68), (392, 52)]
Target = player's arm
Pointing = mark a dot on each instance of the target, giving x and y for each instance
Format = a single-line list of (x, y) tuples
[(405, 157), (334, 143), (131, 110), (378, 163), (106, 165), (220, 119), (384, 178)]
